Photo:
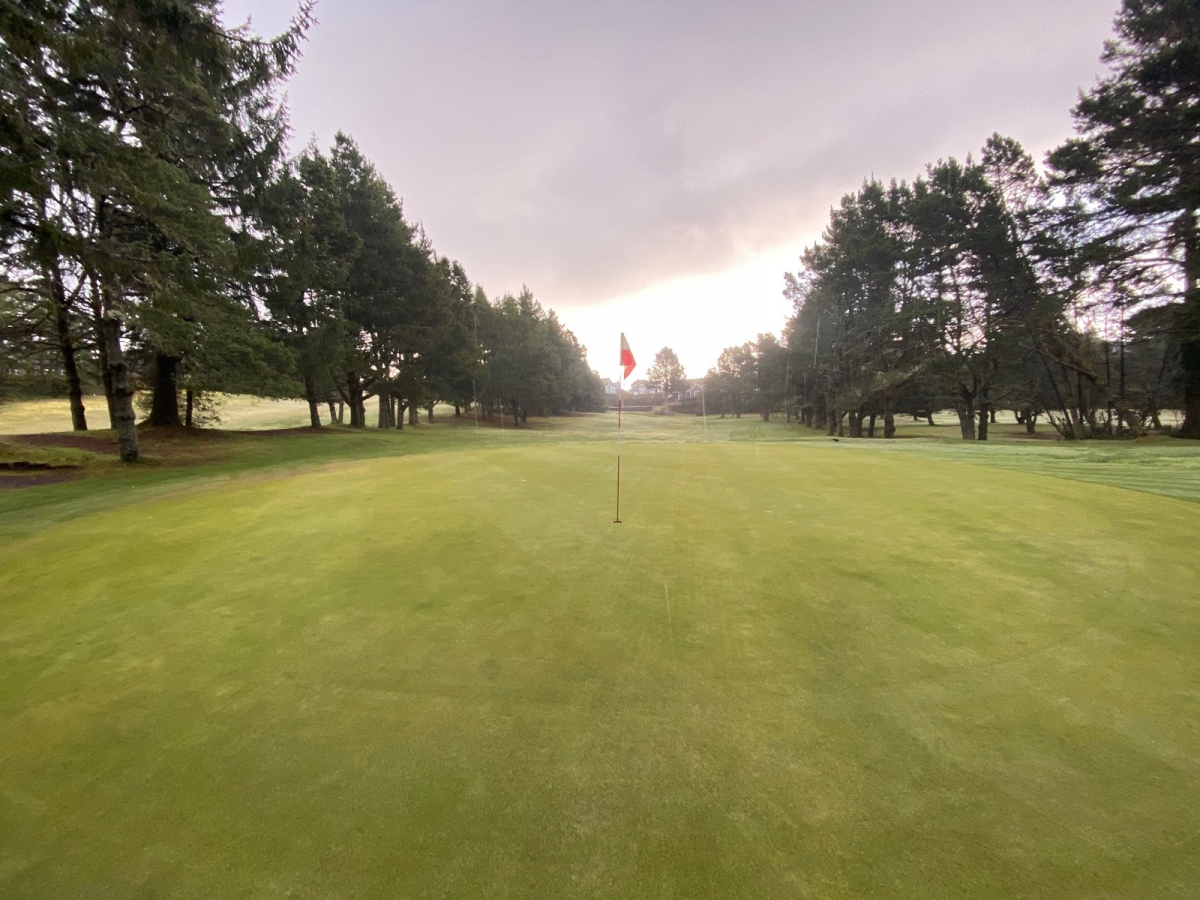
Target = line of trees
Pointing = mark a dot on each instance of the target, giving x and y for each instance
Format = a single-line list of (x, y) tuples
[(1071, 293), (977, 287), (154, 236), (369, 310), (752, 377)]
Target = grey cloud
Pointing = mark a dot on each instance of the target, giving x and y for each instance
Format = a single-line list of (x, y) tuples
[(590, 149)]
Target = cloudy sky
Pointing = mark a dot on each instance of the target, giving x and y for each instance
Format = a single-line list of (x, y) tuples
[(655, 167)]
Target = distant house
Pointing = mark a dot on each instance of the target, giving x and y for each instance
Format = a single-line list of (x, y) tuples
[(691, 389), (610, 387), (641, 388)]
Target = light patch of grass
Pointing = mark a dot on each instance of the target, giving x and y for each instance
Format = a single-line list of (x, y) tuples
[(798, 669), (43, 416), (55, 456), (237, 412)]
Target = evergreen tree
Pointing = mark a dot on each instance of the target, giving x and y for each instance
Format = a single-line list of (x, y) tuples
[(732, 382), (141, 130), (1135, 165), (666, 374), (303, 281), (770, 374)]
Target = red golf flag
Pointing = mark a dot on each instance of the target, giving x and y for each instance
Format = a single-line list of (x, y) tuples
[(627, 360)]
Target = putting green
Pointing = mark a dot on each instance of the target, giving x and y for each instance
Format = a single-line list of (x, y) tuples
[(797, 670)]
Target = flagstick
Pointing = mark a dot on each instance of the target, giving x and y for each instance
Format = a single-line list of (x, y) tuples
[(617, 521)]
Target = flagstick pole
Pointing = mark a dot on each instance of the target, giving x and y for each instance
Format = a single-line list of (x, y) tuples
[(620, 379)]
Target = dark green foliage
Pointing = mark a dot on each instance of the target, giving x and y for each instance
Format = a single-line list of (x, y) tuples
[(974, 287), (1134, 173), (371, 311), (138, 135), (982, 285), (731, 383), (666, 374), (156, 237), (532, 364)]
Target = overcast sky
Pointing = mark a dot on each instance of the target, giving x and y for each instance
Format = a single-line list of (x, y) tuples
[(655, 167)]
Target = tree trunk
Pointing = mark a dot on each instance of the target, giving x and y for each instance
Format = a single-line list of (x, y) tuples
[(125, 420), (929, 417), (106, 379), (102, 350), (66, 346), (414, 414), (189, 405), (1190, 362), (429, 410), (856, 420), (354, 398), (1081, 404), (871, 426), (984, 419), (164, 405), (457, 411), (1188, 322), (833, 422), (314, 402), (889, 419), (966, 419), (1031, 422)]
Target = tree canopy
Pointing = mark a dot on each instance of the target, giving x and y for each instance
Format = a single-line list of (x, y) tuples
[(1068, 292), (154, 236), (667, 373)]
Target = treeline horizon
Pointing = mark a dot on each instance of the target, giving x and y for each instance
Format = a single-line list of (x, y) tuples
[(1069, 291), (156, 237)]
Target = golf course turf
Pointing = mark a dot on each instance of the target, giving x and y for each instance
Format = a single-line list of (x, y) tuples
[(427, 664)]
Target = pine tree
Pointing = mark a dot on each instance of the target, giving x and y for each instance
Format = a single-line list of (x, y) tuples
[(1136, 167), (666, 373)]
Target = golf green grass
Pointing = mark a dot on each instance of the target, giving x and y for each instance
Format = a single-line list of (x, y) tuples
[(798, 669)]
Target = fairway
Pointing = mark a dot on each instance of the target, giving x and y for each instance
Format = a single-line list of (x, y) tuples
[(799, 669)]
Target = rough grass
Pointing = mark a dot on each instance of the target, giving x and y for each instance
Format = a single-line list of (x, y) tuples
[(236, 412), (427, 664)]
